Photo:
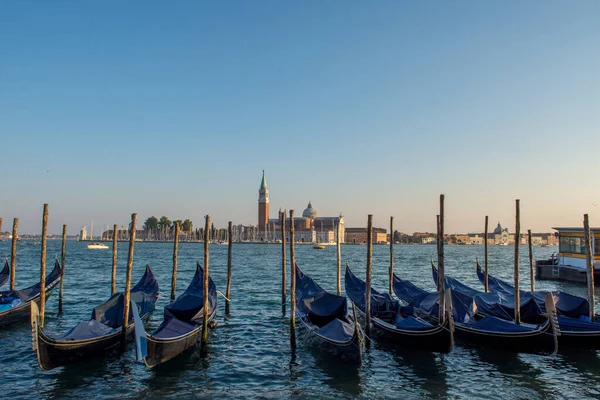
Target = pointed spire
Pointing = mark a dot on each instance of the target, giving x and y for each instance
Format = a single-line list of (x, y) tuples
[(263, 183)]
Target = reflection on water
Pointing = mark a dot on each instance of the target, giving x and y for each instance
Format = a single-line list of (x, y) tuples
[(249, 352), (425, 372)]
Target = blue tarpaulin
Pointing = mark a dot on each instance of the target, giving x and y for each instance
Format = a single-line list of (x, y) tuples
[(187, 311), (566, 304), (107, 318)]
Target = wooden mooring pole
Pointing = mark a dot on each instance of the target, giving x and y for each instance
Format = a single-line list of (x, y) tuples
[(485, 255), (589, 264), (338, 250), (113, 279), (438, 240), (516, 267), (283, 263), (293, 289), (63, 258), (391, 272), (368, 280), (204, 341), (127, 295), (43, 266), (13, 254), (175, 251), (531, 273), (229, 267), (441, 266)]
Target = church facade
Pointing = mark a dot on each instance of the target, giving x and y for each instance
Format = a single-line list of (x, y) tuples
[(308, 227)]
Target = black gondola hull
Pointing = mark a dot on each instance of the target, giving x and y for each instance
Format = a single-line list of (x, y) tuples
[(580, 340), (184, 333), (161, 351), (439, 339), (541, 341), (349, 351), (22, 312), (52, 354)]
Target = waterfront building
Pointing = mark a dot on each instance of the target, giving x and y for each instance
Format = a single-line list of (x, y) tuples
[(308, 228), (360, 235), (83, 233)]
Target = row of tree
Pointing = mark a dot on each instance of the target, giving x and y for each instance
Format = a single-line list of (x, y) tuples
[(165, 224), (164, 229)]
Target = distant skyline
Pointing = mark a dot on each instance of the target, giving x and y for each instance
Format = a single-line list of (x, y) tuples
[(109, 108)]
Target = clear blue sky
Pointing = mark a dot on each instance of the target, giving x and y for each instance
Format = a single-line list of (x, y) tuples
[(175, 108)]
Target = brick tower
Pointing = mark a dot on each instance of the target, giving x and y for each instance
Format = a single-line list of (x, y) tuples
[(263, 206)]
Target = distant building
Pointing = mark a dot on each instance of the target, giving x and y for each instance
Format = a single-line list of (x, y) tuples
[(263, 204), (308, 228), (83, 233), (360, 235), (428, 239)]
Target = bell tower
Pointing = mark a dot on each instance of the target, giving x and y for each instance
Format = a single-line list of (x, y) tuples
[(263, 205)]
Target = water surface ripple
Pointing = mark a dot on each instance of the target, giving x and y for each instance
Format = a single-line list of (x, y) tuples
[(249, 352)]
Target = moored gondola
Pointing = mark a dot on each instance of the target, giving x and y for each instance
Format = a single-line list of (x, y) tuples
[(15, 305), (5, 273), (489, 331), (182, 322), (573, 313), (325, 320), (390, 323), (101, 333)]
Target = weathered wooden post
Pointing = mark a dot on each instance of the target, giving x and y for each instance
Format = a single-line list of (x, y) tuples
[(283, 263), (368, 280), (43, 266), (589, 264), (204, 341), (293, 289), (441, 267), (13, 254), (485, 256), (127, 294), (516, 268), (62, 271), (438, 250), (531, 273), (391, 272), (338, 248), (174, 274), (113, 286), (229, 266)]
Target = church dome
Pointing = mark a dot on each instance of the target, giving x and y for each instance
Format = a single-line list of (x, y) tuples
[(498, 229), (309, 212)]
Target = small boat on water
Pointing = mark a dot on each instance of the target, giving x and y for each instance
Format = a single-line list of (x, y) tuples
[(569, 264), (15, 305), (5, 273), (402, 329), (97, 246), (100, 333), (319, 246), (324, 317), (182, 322)]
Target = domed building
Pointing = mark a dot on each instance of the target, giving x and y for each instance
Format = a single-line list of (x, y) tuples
[(309, 212), (308, 228), (500, 236), (498, 230)]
